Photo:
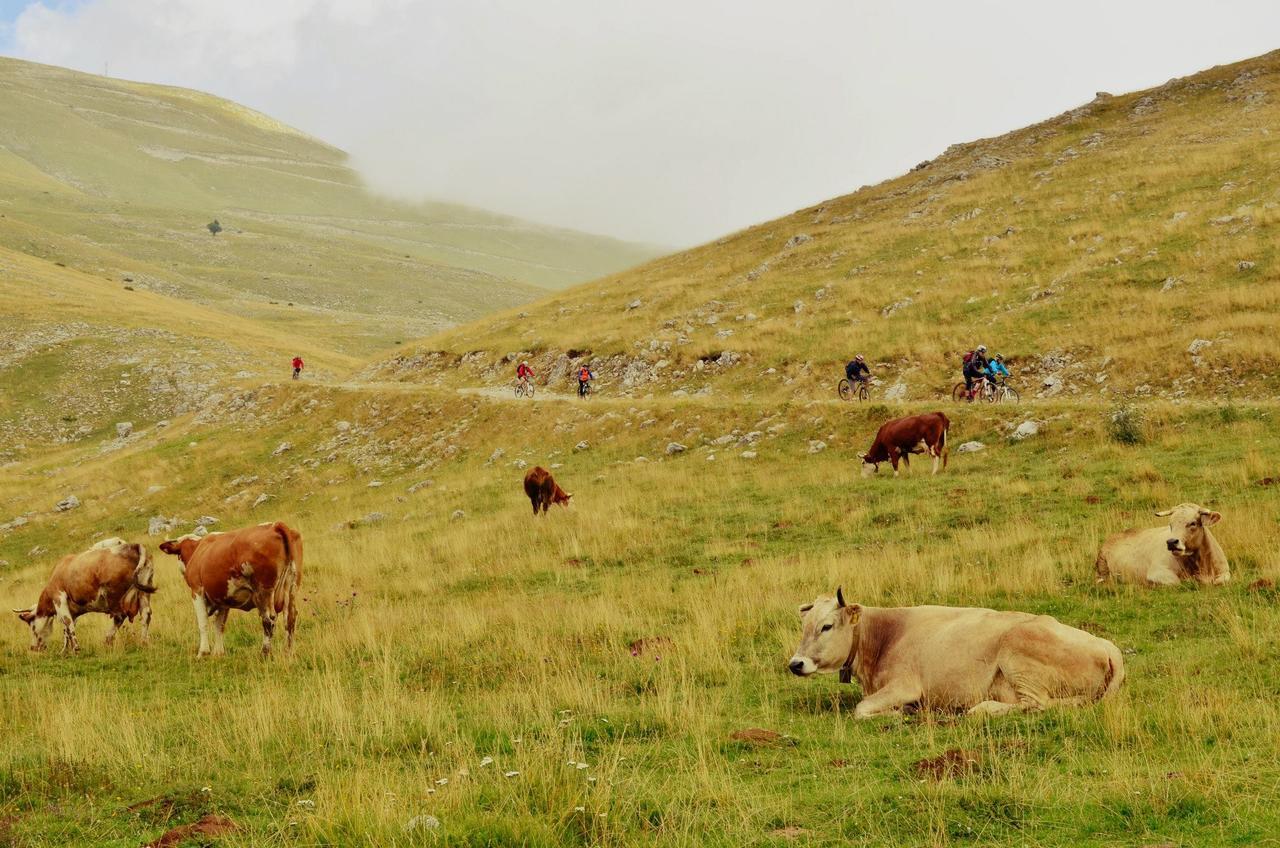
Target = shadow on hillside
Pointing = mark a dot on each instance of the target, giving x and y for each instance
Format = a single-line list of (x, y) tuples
[(824, 700)]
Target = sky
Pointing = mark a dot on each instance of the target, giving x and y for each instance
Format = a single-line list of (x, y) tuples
[(667, 121)]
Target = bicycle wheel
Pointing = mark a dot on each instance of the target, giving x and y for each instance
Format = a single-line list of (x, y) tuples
[(844, 390), (528, 391), (519, 390), (1010, 395), (863, 394), (959, 394)]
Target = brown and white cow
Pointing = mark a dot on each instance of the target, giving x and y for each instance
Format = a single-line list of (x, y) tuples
[(1184, 549), (901, 437), (254, 568), (979, 660), (113, 577), (543, 490)]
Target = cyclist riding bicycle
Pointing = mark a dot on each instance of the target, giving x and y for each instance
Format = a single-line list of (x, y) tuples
[(857, 371), (584, 380), (975, 368), (297, 366), (996, 369), (523, 372)]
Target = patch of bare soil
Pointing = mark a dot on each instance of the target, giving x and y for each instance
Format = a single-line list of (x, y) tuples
[(211, 825)]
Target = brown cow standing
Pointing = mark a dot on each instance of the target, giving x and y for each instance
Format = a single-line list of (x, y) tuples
[(901, 437), (255, 568), (113, 577), (543, 490)]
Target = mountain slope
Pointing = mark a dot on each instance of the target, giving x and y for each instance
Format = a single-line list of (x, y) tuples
[(119, 178), (1092, 249)]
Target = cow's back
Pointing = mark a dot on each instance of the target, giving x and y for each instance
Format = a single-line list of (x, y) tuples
[(538, 482), (1131, 555), (255, 556), (98, 577)]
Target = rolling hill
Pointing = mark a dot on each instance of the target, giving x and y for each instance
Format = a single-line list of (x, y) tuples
[(1127, 246), (615, 673), (118, 179)]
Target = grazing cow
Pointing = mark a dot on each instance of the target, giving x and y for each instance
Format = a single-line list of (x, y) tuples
[(113, 577), (1165, 556), (980, 660), (255, 568), (901, 437), (543, 490)]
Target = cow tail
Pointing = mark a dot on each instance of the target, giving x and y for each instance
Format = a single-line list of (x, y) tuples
[(1101, 568), (285, 586), (945, 450), (1114, 676), (144, 560)]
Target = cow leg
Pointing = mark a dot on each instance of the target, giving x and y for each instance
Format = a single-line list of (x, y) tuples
[(290, 622), (63, 611), (887, 701), (144, 602), (893, 458), (116, 621), (220, 631), (202, 623), (268, 614), (1162, 577), (534, 501), (995, 708)]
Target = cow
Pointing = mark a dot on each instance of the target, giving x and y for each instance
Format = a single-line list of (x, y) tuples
[(1184, 549), (543, 490), (954, 658), (254, 568), (901, 437), (112, 577)]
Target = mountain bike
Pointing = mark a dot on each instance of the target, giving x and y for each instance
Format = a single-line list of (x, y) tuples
[(847, 392), (585, 389), (524, 388), (999, 392)]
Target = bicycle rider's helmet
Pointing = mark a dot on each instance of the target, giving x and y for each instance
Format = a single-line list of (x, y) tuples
[(997, 357), (981, 348), (859, 358)]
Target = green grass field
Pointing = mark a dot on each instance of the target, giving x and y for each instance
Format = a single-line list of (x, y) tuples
[(430, 643), (468, 675)]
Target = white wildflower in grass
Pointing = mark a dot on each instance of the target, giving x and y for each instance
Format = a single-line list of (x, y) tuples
[(487, 761), (511, 774)]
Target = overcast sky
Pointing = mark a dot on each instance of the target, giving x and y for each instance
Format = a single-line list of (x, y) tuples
[(669, 121)]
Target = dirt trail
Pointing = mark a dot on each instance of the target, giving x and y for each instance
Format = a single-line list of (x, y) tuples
[(492, 392)]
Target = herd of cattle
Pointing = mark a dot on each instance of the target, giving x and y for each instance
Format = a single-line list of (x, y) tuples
[(980, 660)]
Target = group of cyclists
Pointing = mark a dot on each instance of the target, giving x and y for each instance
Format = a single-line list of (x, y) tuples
[(524, 374), (976, 367)]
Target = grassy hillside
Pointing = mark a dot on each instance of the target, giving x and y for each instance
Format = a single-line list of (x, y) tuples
[(119, 179), (1092, 250), (637, 631), (466, 675)]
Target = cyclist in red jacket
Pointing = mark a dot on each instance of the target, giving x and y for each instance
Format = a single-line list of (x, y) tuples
[(297, 366)]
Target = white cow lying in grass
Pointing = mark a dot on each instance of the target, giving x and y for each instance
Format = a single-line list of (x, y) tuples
[(1165, 556), (980, 660)]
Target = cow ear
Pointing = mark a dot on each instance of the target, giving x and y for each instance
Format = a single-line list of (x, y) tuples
[(851, 612), (1164, 513), (1210, 517), (804, 608), (840, 596)]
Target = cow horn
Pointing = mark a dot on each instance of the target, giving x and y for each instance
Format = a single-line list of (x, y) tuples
[(840, 597), (1164, 513)]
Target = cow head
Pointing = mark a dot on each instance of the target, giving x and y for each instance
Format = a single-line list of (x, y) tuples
[(561, 497), (40, 625), (182, 548), (1187, 527), (869, 465), (829, 636)]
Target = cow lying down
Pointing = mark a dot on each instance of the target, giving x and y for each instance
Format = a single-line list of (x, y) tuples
[(980, 660), (1184, 549)]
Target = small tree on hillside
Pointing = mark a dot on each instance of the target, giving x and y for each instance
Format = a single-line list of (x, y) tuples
[(214, 227)]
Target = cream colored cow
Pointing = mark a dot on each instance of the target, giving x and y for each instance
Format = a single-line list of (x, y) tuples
[(980, 660), (1184, 549)]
